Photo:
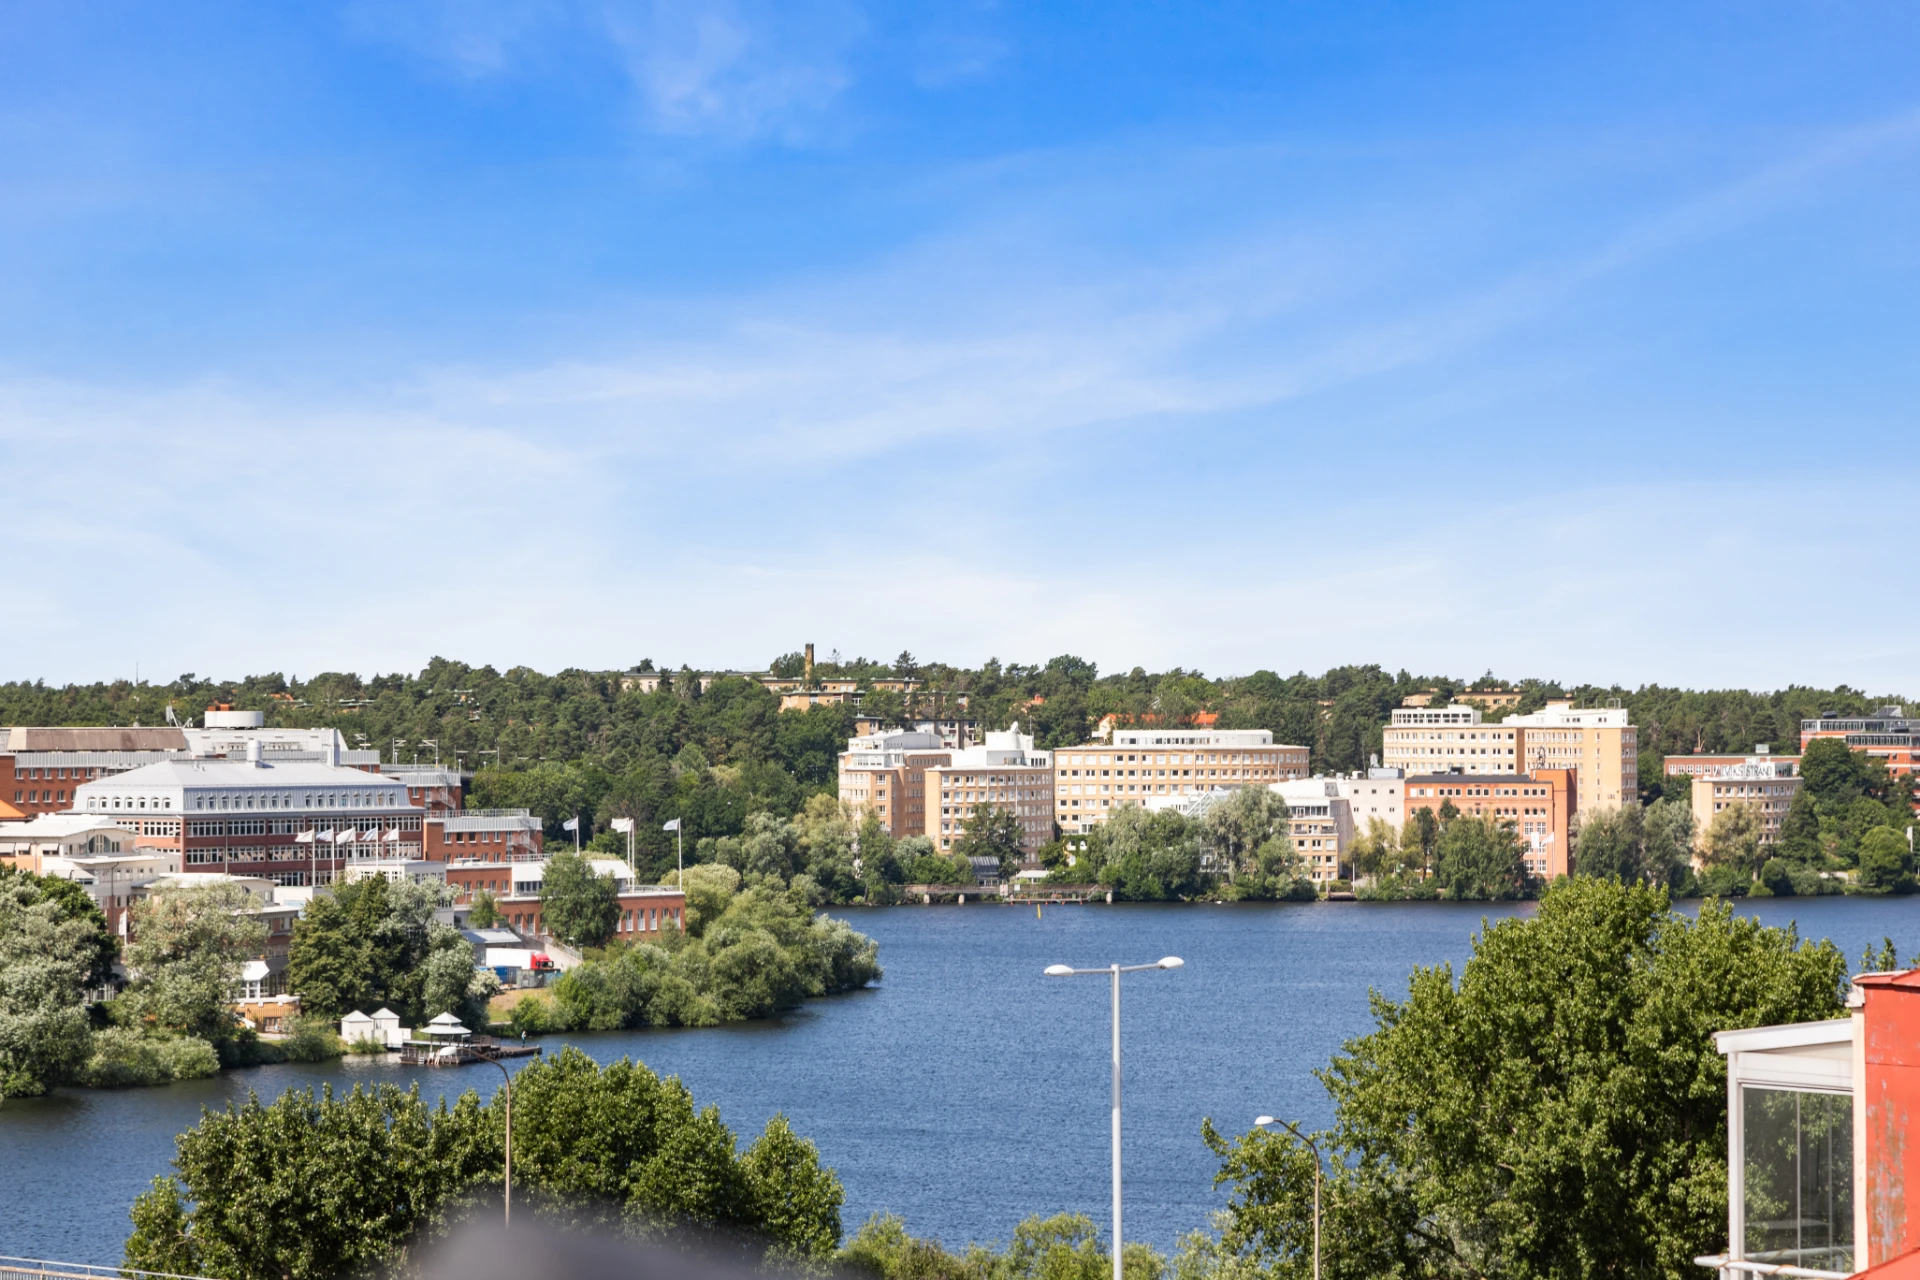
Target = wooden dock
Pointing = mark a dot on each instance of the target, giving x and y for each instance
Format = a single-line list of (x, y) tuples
[(428, 1053)]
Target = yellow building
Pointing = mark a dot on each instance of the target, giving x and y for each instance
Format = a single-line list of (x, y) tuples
[(1091, 781), (1441, 739), (1596, 741), (1768, 786), (1004, 771), (886, 773)]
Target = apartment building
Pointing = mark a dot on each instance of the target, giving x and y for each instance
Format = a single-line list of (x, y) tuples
[(885, 774), (1596, 741), (1768, 786), (1441, 739), (1006, 771), (1889, 735), (1321, 822), (1539, 804), (1378, 793), (1139, 764)]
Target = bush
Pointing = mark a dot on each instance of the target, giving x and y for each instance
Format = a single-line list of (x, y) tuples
[(1777, 878), (123, 1058), (313, 1040), (366, 1048)]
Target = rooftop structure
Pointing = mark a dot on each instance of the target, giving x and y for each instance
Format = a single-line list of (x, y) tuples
[(1435, 739)]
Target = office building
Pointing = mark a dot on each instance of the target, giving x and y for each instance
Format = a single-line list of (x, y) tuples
[(1700, 763), (1767, 786), (1596, 741), (885, 774), (1441, 739), (1888, 735), (1540, 805), (1322, 824), (1140, 764), (1005, 771)]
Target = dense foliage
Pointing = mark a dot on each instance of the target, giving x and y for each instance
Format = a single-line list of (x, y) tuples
[(1560, 1111), (373, 944), (745, 953), (50, 946), (1066, 1246), (306, 1188)]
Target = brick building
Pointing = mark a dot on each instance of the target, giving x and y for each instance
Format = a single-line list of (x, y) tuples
[(1539, 805)]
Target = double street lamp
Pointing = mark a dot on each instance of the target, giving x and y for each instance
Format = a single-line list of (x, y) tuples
[(1114, 971)]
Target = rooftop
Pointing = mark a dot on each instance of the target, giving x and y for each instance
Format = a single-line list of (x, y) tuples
[(238, 773)]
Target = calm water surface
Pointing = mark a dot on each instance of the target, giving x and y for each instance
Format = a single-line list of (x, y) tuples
[(965, 1092)]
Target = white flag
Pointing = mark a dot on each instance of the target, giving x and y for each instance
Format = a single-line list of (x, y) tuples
[(571, 824), (672, 826)]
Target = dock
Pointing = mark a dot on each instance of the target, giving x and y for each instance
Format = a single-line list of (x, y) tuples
[(430, 1053)]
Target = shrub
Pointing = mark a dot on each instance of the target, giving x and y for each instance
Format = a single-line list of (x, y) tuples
[(313, 1040), (123, 1058)]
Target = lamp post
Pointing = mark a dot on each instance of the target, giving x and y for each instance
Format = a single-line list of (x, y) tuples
[(1114, 971), (1261, 1123), (507, 1220)]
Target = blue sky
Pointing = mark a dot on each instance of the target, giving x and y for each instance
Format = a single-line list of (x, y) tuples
[(1224, 336)]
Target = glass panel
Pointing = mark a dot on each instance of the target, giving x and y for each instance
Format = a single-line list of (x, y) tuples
[(1799, 1178)]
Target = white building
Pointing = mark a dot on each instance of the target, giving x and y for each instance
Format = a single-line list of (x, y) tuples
[(1442, 739), (1378, 793), (1322, 822), (1142, 766)]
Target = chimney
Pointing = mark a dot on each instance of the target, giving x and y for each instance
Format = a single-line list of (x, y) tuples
[(253, 753), (809, 662)]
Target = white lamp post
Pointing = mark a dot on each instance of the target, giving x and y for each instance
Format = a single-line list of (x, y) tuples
[(1114, 971), (1262, 1123)]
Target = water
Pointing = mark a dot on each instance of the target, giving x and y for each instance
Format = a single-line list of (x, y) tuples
[(964, 1093)]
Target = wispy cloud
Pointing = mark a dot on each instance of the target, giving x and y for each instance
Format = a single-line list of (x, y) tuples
[(732, 69)]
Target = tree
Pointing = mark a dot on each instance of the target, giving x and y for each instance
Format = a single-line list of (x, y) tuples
[(1234, 828), (188, 948), (1560, 1111), (485, 911), (1833, 773), (1800, 831), (46, 955), (1733, 840), (1611, 845), (1886, 864), (1376, 850), (1480, 858), (310, 1188), (578, 906), (1667, 841), (368, 944), (991, 831)]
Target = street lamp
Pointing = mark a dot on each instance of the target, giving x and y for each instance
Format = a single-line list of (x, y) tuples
[(1114, 971), (1261, 1123), (508, 1086)]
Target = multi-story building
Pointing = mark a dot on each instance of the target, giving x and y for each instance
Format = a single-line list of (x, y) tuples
[(1596, 741), (953, 732), (1378, 793), (644, 908), (1539, 804), (1889, 735), (482, 835), (96, 852), (290, 823), (886, 774), (1005, 771), (429, 786), (1440, 739), (1767, 786), (1701, 763), (1322, 824), (1139, 764)]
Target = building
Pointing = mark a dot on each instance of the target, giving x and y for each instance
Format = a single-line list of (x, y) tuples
[(1693, 766), (1442, 739), (885, 774), (953, 732), (430, 787), (1818, 1120), (1889, 735), (1378, 793), (515, 886), (264, 975), (1005, 771), (482, 835), (1540, 805), (1322, 824), (1092, 780), (289, 823), (1596, 741), (1767, 786)]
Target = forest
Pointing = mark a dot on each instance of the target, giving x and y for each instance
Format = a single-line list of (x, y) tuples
[(597, 745)]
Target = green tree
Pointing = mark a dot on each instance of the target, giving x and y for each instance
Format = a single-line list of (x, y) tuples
[(1376, 850), (188, 949), (1667, 845), (1886, 864), (991, 831), (1560, 1111), (1480, 858), (47, 953), (1733, 840), (1800, 831), (578, 906), (1235, 828), (373, 943), (1611, 845), (485, 911), (1833, 773)]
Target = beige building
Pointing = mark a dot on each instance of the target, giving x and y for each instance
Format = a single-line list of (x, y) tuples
[(886, 773), (1091, 781), (1006, 771), (1442, 739), (1322, 822), (1596, 741), (1377, 793), (1767, 785)]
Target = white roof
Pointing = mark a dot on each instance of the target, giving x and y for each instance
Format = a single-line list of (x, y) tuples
[(356, 1018), (57, 826), (239, 773)]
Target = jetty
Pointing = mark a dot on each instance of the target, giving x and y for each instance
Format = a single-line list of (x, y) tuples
[(450, 1044)]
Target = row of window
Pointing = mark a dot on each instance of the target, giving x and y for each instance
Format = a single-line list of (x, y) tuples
[(1201, 757)]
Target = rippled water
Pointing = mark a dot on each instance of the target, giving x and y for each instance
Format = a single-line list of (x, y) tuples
[(964, 1092)]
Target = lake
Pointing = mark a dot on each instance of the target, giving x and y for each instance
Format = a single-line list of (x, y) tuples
[(964, 1092)]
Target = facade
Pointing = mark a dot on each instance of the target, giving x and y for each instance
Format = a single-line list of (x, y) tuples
[(1768, 786), (1322, 824), (953, 732), (1540, 805), (886, 774), (1596, 741), (1006, 771), (1441, 739), (290, 823), (644, 909), (1141, 764), (482, 835), (430, 787), (1693, 766), (1378, 793), (1889, 735)]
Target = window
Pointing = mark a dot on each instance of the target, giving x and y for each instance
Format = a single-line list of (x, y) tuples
[(1797, 1202)]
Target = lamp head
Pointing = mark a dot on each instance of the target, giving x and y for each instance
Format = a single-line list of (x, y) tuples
[(1263, 1122), (1059, 970), (1171, 962)]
